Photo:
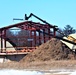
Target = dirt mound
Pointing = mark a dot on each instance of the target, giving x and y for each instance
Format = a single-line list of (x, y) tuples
[(51, 50)]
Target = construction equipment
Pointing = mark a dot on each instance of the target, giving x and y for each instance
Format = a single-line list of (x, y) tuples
[(56, 27), (71, 37), (69, 41)]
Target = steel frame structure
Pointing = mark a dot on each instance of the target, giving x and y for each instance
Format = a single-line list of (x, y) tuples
[(32, 27)]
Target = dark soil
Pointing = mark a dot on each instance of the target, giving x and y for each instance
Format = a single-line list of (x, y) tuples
[(53, 49)]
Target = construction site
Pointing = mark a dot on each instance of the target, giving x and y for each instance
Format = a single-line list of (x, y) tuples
[(44, 45)]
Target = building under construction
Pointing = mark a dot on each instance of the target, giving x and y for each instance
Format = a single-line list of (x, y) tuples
[(10, 51)]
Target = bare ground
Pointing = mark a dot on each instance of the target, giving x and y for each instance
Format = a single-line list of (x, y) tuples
[(41, 65)]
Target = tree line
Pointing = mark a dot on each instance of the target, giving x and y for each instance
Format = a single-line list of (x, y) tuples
[(67, 30)]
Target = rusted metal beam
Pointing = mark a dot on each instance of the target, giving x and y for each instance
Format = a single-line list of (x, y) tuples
[(32, 27)]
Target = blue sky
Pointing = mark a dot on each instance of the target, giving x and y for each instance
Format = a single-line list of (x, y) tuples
[(56, 12)]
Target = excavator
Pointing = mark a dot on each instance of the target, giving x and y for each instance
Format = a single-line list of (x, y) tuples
[(69, 41)]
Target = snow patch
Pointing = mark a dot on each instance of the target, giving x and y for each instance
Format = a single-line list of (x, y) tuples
[(19, 72)]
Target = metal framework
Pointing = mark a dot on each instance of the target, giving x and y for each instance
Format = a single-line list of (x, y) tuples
[(34, 28)]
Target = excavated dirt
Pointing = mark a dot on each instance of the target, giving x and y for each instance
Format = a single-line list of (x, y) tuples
[(53, 49)]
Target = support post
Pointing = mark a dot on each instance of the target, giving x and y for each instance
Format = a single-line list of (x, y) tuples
[(54, 32), (35, 38), (31, 38), (49, 33), (44, 35), (1, 42), (5, 40), (39, 38)]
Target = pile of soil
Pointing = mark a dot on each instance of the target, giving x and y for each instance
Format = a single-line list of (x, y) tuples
[(53, 49)]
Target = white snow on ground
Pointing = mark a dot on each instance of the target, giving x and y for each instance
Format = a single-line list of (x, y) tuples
[(19, 72), (73, 73), (62, 71), (68, 73), (25, 72)]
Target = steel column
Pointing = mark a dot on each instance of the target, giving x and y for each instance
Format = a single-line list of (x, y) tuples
[(49, 33), (39, 39), (1, 43), (35, 38), (5, 40), (44, 35), (31, 38), (54, 32)]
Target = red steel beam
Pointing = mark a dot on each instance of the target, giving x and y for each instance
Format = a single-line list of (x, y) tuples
[(44, 35), (31, 26), (35, 38)]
